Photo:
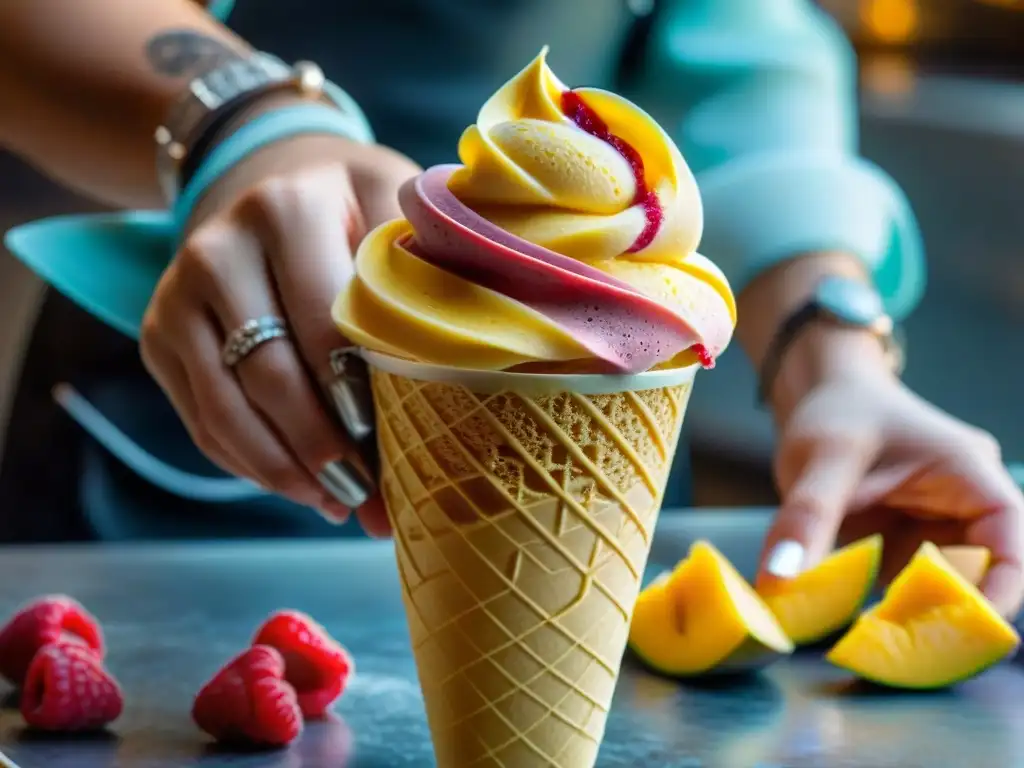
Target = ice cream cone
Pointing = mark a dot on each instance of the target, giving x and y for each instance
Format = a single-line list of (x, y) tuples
[(523, 508)]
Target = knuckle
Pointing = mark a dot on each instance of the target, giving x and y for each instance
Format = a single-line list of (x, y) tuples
[(315, 182), (202, 255), (155, 344), (273, 377), (283, 478), (216, 413), (387, 163), (284, 197), (195, 262), (212, 237), (271, 194), (320, 446), (154, 318), (278, 197), (150, 333), (803, 504), (151, 361), (205, 442), (987, 443)]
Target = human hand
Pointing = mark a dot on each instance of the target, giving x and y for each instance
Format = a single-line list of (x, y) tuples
[(859, 453), (273, 237)]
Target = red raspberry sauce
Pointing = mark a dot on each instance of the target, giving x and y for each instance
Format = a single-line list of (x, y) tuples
[(586, 119), (707, 360)]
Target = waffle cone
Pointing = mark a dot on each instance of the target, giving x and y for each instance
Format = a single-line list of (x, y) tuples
[(522, 526)]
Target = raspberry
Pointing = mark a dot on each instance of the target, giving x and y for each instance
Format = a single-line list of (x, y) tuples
[(68, 689), (44, 621), (316, 665), (249, 702)]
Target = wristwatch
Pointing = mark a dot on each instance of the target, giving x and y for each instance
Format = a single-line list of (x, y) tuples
[(840, 301), (217, 92)]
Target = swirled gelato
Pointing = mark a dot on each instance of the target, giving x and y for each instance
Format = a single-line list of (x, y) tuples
[(566, 240)]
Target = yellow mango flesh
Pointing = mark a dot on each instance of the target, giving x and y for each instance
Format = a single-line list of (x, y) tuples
[(825, 598), (702, 616), (931, 630), (970, 562)]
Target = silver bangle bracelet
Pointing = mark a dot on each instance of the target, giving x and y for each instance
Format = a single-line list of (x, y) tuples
[(228, 87)]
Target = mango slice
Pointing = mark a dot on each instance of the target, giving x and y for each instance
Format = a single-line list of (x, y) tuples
[(826, 598), (704, 617), (970, 562), (931, 630)]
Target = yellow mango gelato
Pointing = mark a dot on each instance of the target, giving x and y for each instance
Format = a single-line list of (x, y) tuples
[(565, 240)]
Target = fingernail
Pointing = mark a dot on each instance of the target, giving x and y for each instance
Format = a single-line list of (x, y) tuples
[(345, 483), (350, 392), (333, 512), (786, 559)]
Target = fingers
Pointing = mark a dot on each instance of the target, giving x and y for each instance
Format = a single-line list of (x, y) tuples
[(812, 509), (373, 518), (184, 332), (309, 255), (273, 377), (231, 419), (283, 250), (165, 368), (904, 536), (1001, 530), (310, 260)]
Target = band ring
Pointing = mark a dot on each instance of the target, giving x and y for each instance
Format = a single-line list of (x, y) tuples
[(252, 334)]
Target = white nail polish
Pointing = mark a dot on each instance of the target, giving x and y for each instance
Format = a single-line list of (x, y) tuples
[(786, 560), (329, 517)]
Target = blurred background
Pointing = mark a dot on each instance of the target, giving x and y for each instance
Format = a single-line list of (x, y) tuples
[(942, 111)]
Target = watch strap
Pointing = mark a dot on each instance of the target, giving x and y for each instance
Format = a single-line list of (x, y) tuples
[(207, 138), (207, 96), (270, 127), (784, 337), (214, 130), (813, 311)]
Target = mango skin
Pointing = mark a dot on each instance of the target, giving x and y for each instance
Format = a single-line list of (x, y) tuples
[(702, 618), (929, 598), (749, 657), (840, 584)]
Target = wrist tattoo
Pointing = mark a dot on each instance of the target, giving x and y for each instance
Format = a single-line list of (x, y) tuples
[(187, 53)]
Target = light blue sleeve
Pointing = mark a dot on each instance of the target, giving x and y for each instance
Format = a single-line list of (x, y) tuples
[(761, 97)]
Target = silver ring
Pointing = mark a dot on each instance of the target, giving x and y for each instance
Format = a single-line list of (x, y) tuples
[(245, 339)]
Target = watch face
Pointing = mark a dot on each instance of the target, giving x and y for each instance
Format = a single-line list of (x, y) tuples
[(851, 301)]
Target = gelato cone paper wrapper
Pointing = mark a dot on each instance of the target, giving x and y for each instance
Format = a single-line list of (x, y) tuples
[(523, 507)]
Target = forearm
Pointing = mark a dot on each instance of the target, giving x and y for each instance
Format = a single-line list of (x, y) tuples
[(84, 84), (820, 350), (765, 94)]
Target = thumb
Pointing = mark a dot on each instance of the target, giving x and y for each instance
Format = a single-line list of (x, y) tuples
[(812, 510)]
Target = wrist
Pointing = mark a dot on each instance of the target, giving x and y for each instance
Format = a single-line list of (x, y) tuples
[(770, 299), (217, 102), (285, 154), (824, 353), (795, 348), (234, 119), (280, 142)]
